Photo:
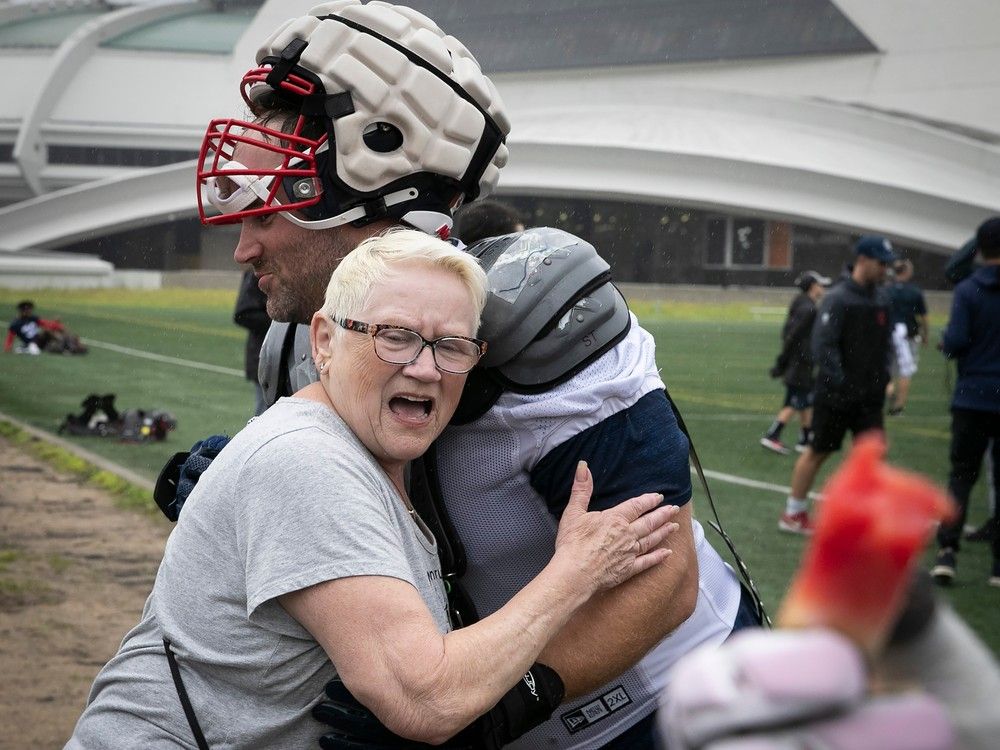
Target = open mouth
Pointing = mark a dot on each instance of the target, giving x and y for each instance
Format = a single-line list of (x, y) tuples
[(411, 408)]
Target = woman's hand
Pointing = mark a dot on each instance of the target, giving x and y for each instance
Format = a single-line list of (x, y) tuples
[(611, 546)]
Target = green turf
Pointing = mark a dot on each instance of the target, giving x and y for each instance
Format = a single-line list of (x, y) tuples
[(194, 325), (714, 358)]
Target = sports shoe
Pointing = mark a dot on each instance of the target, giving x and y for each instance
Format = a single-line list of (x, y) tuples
[(943, 571), (984, 533), (796, 523), (801, 447), (773, 444), (995, 577)]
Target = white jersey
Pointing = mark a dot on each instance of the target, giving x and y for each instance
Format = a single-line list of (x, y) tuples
[(509, 532)]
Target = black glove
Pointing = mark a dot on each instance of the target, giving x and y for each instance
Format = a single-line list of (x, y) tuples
[(525, 706), (776, 371), (354, 727), (182, 472)]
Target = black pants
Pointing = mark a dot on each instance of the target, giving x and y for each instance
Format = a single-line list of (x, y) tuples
[(970, 434)]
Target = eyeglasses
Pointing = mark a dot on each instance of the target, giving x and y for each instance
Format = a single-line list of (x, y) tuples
[(401, 346)]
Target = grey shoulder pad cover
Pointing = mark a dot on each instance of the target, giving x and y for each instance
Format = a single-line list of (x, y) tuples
[(298, 361), (551, 306)]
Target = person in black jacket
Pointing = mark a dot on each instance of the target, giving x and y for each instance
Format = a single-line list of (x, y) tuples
[(851, 346), (795, 363), (973, 338), (251, 313), (960, 266)]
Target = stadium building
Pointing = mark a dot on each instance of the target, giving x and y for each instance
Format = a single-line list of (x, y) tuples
[(730, 142)]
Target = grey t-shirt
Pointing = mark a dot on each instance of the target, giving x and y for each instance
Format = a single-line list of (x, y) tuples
[(293, 500)]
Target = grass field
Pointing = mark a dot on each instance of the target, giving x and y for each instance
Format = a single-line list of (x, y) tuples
[(714, 358)]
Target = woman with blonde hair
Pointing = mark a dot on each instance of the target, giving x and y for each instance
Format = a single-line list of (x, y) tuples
[(299, 556)]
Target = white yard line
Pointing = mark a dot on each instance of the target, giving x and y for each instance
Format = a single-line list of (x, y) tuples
[(752, 483), (163, 358), (758, 417)]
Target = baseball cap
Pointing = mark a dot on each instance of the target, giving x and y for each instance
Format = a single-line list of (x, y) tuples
[(873, 246), (807, 278)]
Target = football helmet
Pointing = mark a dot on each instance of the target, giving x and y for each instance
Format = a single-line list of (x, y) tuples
[(362, 111)]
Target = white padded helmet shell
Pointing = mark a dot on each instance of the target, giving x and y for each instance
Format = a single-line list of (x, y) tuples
[(393, 61)]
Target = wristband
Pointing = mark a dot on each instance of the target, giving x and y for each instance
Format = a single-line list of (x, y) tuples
[(529, 703)]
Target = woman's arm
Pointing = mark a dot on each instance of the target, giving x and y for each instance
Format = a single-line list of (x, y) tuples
[(426, 685)]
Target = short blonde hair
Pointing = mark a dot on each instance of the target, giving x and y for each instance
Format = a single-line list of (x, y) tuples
[(367, 265)]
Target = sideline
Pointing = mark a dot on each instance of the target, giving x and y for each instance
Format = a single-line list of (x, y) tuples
[(99, 461), (164, 358)]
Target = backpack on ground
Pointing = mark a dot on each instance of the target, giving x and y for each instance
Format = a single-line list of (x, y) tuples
[(100, 418)]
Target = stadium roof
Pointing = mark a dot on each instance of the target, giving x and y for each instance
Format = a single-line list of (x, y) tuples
[(49, 30), (520, 35), (209, 31), (844, 113)]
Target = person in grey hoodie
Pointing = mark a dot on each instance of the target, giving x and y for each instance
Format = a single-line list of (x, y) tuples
[(973, 339)]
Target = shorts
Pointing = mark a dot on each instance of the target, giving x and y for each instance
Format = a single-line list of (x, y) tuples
[(830, 425), (798, 398), (904, 363)]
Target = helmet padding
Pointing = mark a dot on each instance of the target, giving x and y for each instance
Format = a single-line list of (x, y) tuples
[(399, 104)]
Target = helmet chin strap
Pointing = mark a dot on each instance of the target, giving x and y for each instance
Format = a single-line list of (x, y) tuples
[(430, 222), (358, 212)]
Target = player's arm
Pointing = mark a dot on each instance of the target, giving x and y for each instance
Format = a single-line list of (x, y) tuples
[(616, 628), (640, 447)]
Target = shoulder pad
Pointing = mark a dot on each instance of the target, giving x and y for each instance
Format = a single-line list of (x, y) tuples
[(285, 361), (594, 324), (269, 367), (301, 368), (551, 307)]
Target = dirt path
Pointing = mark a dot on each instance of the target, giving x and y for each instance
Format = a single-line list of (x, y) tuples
[(74, 573)]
